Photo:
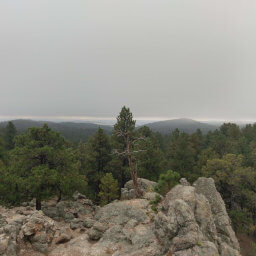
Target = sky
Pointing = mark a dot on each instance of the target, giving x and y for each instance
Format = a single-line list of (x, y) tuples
[(164, 59)]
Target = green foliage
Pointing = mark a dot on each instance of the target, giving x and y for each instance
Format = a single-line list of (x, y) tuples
[(155, 202), (41, 166), (181, 154), (108, 189), (97, 155), (202, 158), (236, 184), (9, 134), (80, 154), (167, 181), (72, 131), (123, 133), (125, 123), (96, 159), (150, 162), (199, 243), (2, 151), (242, 221)]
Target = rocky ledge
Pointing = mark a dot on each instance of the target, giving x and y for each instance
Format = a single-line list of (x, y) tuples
[(189, 221)]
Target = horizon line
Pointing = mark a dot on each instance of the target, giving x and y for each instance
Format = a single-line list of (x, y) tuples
[(95, 118)]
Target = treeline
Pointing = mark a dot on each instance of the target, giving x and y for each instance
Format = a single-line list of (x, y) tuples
[(41, 163)]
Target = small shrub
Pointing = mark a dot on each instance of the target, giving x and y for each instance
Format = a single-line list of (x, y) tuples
[(155, 202), (108, 189), (167, 181)]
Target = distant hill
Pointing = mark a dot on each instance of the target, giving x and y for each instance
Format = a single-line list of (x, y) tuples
[(74, 132), (183, 124)]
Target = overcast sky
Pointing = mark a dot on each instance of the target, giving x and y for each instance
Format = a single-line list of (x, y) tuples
[(162, 58)]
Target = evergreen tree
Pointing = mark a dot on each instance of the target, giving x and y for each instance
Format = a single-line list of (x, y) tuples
[(97, 158), (108, 189), (124, 132), (217, 141), (236, 183), (80, 154), (41, 166), (223, 171), (2, 153), (181, 154), (120, 162), (151, 162), (202, 158), (167, 181), (9, 133), (196, 141)]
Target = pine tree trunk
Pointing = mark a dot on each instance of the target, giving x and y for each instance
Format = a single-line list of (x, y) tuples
[(60, 196), (38, 204), (133, 172)]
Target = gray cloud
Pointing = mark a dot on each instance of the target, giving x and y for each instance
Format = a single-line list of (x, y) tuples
[(161, 58)]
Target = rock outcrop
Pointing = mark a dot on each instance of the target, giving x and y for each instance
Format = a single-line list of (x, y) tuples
[(146, 186), (189, 221), (39, 230), (193, 221), (121, 228), (69, 210), (26, 228)]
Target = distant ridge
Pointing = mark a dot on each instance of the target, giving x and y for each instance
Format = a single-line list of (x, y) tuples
[(76, 132), (183, 124), (72, 131)]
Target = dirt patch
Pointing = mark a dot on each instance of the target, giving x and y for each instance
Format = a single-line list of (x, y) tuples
[(247, 244)]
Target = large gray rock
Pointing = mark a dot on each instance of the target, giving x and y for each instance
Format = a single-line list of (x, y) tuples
[(8, 246), (128, 192), (68, 210), (124, 228), (76, 223), (194, 221), (64, 235), (9, 235), (145, 185), (222, 221), (191, 221), (97, 230), (39, 230)]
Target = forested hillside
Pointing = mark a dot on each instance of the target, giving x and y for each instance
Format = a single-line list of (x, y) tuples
[(183, 124), (76, 132), (73, 132), (41, 163)]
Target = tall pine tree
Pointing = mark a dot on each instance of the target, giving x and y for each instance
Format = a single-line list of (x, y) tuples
[(98, 156), (9, 133), (127, 138)]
